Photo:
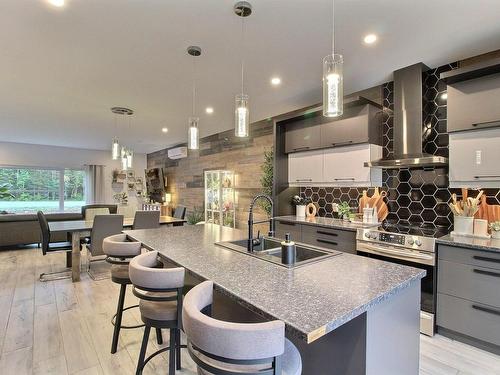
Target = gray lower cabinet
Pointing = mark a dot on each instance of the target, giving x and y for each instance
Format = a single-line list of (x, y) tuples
[(329, 238), (468, 299)]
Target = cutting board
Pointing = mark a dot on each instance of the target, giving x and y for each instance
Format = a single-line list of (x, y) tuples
[(488, 211), (363, 201)]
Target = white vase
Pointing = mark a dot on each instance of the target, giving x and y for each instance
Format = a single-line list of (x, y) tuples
[(300, 211), (495, 234), (463, 225)]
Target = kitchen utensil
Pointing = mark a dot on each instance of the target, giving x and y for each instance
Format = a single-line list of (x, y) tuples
[(465, 193)]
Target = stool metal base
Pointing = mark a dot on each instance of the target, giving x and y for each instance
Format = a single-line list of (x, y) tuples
[(113, 319)]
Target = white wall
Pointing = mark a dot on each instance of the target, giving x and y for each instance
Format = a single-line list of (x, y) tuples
[(23, 154)]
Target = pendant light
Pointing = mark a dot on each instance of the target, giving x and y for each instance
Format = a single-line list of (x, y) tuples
[(333, 79), (242, 9), (193, 131), (119, 151), (115, 149)]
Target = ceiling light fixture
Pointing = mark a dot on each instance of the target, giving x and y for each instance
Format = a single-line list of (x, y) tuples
[(164, 130), (370, 39), (242, 9), (193, 131), (116, 153), (333, 79), (275, 81), (57, 3), (209, 110)]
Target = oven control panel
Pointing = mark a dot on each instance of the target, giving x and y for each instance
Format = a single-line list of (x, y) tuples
[(392, 238)]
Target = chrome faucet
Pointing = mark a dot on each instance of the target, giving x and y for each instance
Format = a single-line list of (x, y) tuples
[(256, 241)]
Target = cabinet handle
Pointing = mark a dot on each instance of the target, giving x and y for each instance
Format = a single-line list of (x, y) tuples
[(326, 241), (487, 123), (488, 273), (492, 176), (486, 259), (345, 179), (304, 179), (486, 309), (342, 143), (301, 148), (327, 233)]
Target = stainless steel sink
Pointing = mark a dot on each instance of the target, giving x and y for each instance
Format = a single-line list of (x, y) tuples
[(269, 249)]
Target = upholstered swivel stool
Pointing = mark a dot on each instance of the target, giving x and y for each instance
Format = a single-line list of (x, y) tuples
[(118, 252), (160, 292), (219, 347)]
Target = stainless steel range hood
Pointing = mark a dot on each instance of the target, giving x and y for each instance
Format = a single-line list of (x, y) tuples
[(408, 123)]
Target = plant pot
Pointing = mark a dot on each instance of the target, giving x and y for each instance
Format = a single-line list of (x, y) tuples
[(495, 234), (300, 211), (464, 225)]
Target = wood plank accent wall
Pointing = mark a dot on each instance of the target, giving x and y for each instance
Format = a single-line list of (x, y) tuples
[(244, 156)]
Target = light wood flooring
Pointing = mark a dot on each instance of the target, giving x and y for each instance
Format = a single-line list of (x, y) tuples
[(64, 328)]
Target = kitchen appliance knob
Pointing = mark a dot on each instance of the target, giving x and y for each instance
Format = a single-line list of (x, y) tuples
[(367, 234), (374, 235), (418, 242), (410, 241)]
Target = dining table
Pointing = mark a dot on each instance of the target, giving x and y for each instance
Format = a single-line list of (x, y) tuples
[(81, 228)]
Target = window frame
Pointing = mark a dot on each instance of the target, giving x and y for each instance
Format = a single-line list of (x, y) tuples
[(61, 171)]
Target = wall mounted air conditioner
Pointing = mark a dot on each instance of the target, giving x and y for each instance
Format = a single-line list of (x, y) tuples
[(177, 153)]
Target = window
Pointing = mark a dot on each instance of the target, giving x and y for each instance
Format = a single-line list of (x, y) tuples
[(48, 190)]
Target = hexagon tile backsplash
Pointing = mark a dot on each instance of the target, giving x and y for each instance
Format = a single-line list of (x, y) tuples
[(414, 196)]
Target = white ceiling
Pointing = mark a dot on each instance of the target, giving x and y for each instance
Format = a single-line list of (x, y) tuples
[(63, 68)]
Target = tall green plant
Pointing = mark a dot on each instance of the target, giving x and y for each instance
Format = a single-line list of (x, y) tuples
[(5, 192), (266, 180), (195, 216)]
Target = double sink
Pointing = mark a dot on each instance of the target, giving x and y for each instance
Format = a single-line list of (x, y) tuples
[(269, 249)]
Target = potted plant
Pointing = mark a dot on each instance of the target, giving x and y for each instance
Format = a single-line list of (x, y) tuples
[(495, 229), (300, 204), (344, 210)]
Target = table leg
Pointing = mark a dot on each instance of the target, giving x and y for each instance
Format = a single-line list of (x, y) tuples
[(75, 256)]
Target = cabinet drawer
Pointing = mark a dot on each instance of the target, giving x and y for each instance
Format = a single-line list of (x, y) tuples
[(469, 282), (329, 238), (283, 227), (473, 319), (488, 259)]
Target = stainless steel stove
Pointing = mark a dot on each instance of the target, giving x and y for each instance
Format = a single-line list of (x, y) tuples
[(410, 246)]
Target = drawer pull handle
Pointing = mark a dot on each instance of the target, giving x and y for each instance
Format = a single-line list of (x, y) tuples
[(486, 259), (487, 124), (345, 179), (342, 143), (301, 148), (327, 233), (486, 309), (304, 179), (487, 273), (326, 241), (492, 176)]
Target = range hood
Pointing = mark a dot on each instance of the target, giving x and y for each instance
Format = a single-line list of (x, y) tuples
[(408, 125)]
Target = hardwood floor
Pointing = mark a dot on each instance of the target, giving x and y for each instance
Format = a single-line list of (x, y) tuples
[(64, 328)]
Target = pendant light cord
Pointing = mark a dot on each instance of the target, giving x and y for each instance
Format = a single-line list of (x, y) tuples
[(242, 53), (333, 27), (194, 85)]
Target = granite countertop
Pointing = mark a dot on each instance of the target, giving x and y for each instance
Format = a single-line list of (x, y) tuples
[(325, 222), (312, 300), (470, 242)]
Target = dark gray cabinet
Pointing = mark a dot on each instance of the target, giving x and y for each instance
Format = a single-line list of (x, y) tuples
[(468, 299), (473, 104), (303, 135), (357, 125), (283, 227)]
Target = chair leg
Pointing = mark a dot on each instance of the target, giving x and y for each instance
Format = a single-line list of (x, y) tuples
[(118, 322), (159, 337), (171, 354), (69, 261), (142, 354), (178, 348)]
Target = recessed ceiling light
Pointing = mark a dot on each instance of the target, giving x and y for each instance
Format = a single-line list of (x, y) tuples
[(275, 81), (164, 130), (370, 39), (57, 3), (209, 110)]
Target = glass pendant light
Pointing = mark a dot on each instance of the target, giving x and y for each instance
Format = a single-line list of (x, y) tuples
[(333, 79), (193, 130), (119, 151), (130, 157), (124, 159), (241, 110), (115, 149)]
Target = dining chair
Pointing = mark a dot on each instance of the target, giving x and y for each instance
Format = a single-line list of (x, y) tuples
[(146, 219), (180, 212), (90, 210), (53, 247), (160, 294), (102, 227), (219, 347)]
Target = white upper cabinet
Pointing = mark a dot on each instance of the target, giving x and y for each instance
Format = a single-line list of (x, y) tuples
[(305, 168), (475, 159), (340, 166)]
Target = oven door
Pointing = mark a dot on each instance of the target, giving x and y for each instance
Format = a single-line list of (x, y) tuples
[(412, 258)]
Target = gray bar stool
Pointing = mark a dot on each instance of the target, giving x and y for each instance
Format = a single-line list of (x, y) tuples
[(118, 252), (160, 292), (219, 347)]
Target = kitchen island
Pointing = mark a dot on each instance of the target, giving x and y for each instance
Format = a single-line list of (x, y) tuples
[(347, 314)]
